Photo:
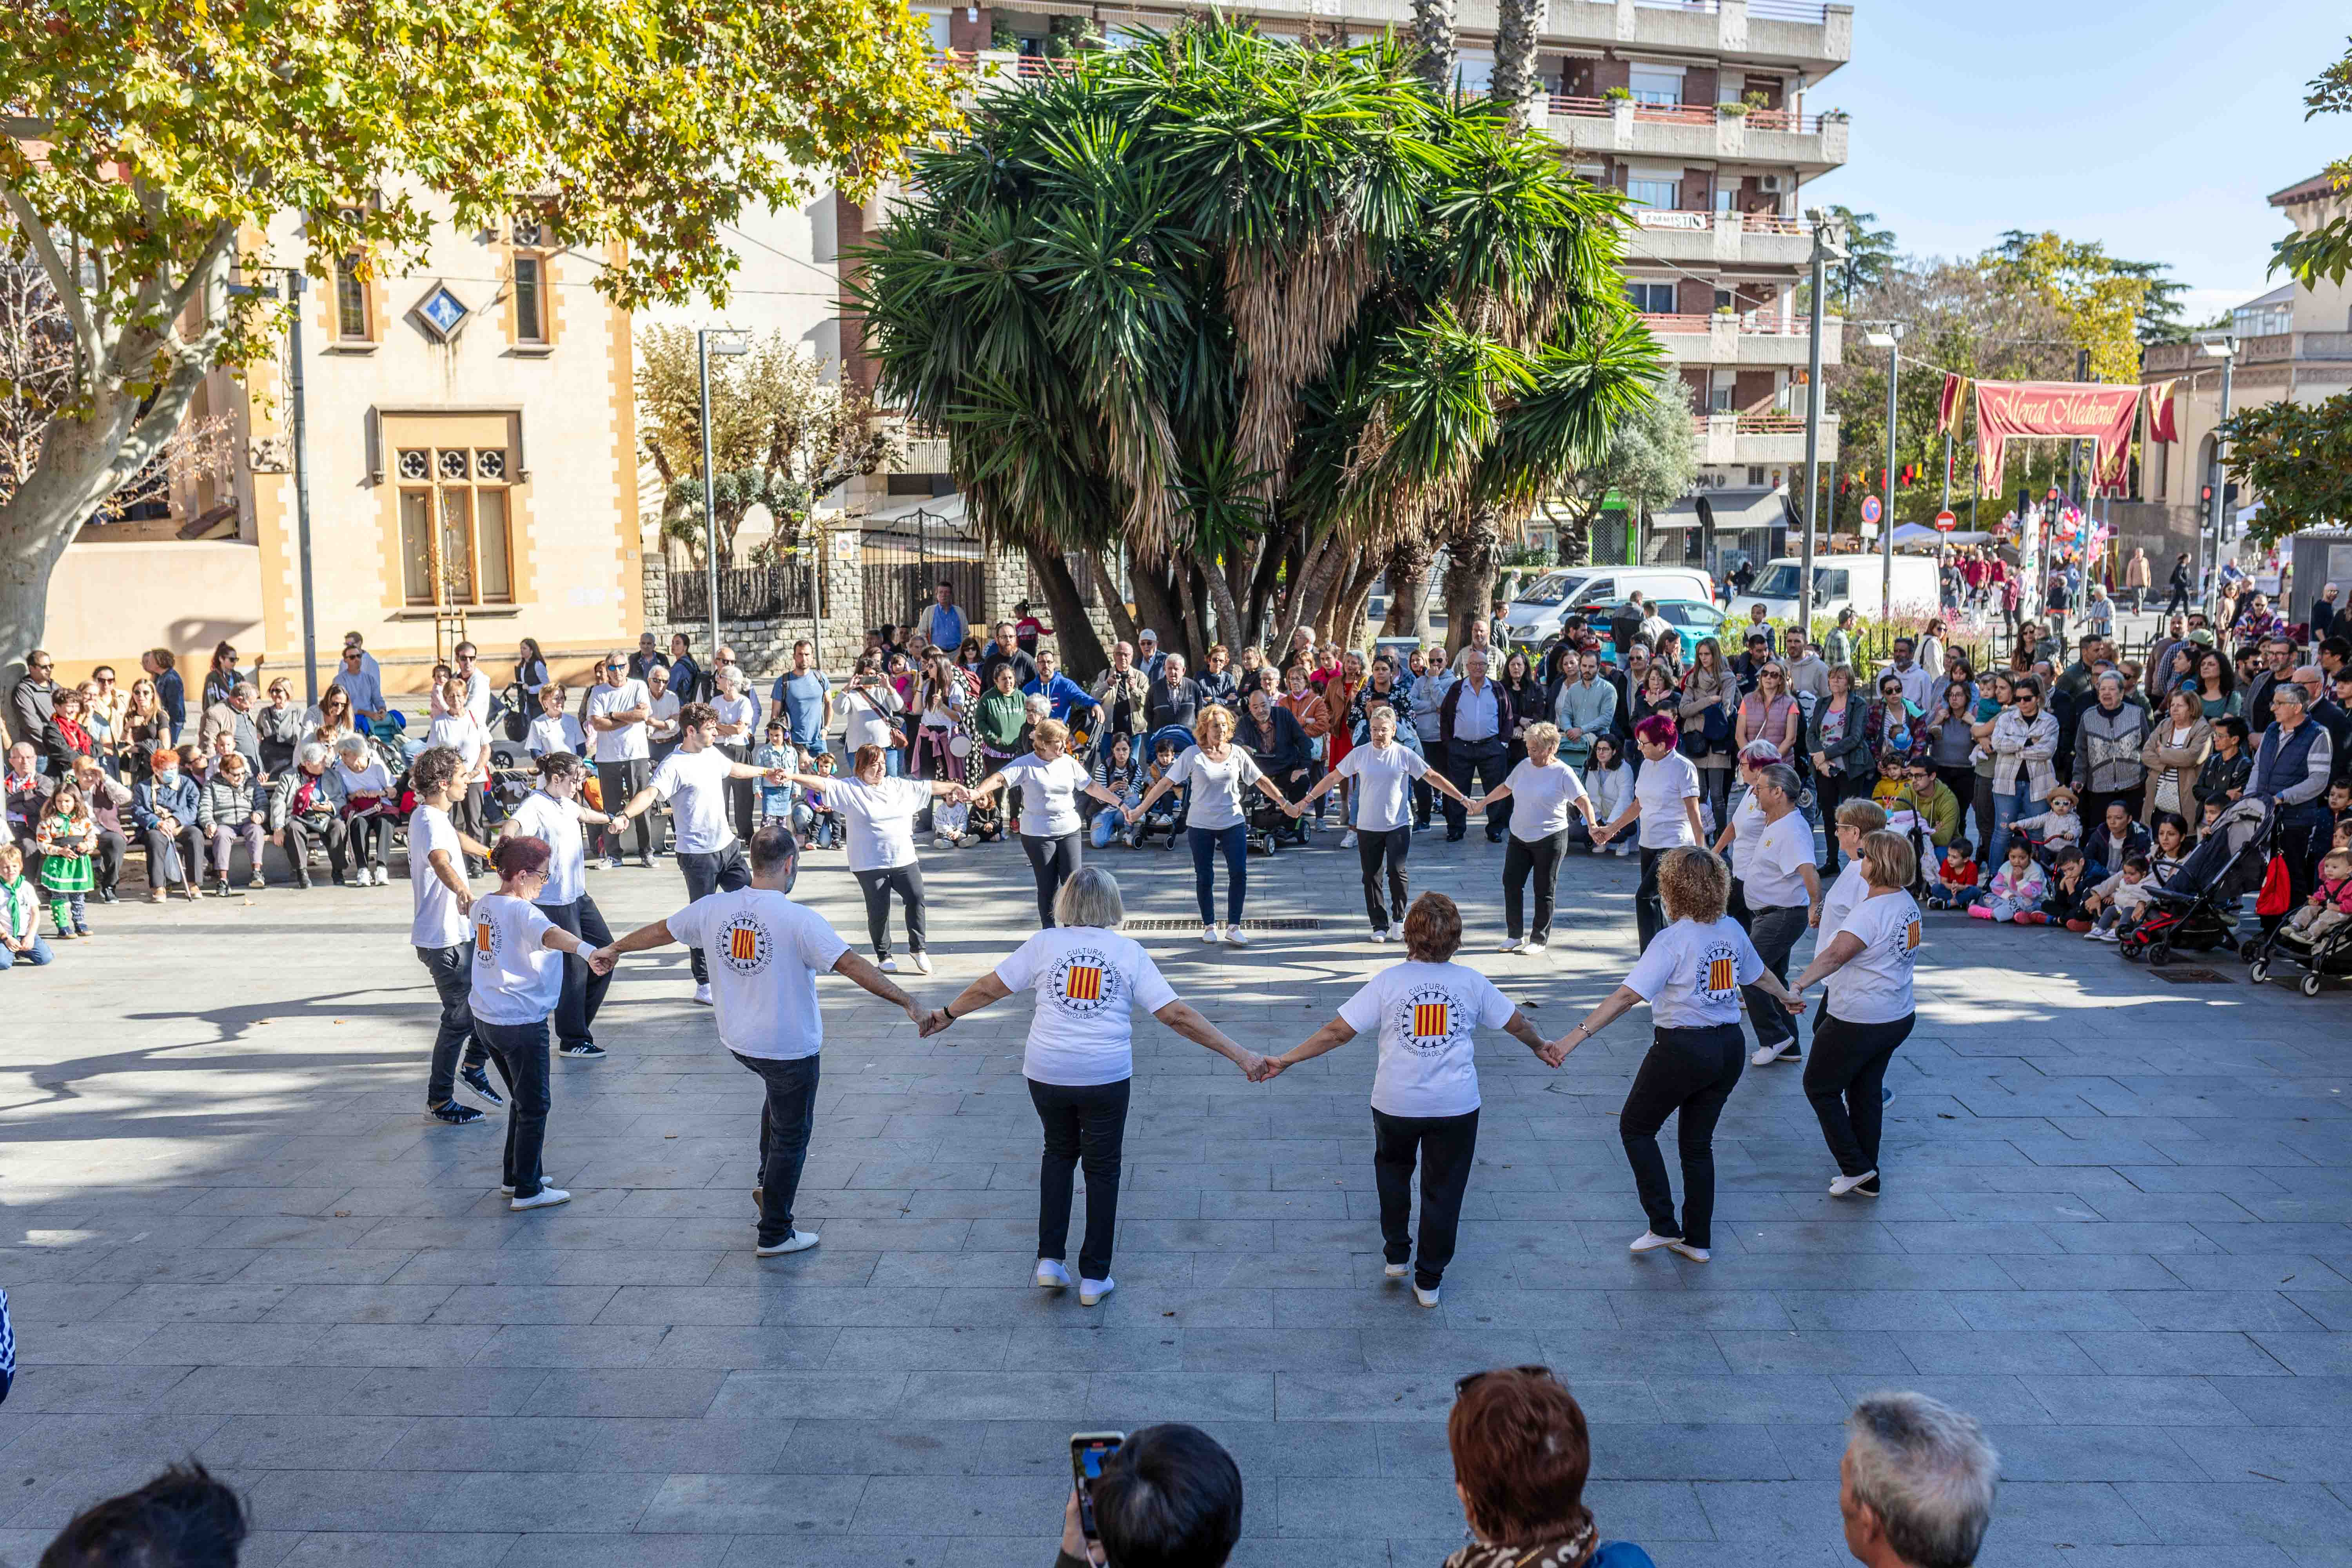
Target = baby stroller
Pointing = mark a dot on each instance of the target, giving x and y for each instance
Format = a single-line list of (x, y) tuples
[(2329, 956), (1267, 822), (1168, 813), (2196, 906)]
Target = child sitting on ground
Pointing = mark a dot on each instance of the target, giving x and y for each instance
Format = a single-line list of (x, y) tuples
[(1953, 883), (2120, 902), (2058, 827), (2017, 890), (824, 823), (2072, 875), (20, 913), (2331, 902)]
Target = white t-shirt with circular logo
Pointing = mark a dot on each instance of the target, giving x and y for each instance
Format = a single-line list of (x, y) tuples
[(1541, 798), (1088, 981), (1775, 878), (516, 978), (880, 818), (1661, 787), (765, 953), (1426, 1013), (1691, 974), (1875, 985), (1383, 776)]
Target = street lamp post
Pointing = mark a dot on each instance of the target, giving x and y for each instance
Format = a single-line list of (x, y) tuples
[(2225, 349), (731, 343), (1888, 336), (1826, 245)]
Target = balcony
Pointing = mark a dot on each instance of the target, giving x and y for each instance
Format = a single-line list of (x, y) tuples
[(1720, 238), (1761, 435), (1756, 340), (1813, 143)]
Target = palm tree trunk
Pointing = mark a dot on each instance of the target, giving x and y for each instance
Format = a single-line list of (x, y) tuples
[(1074, 629), (1517, 23), (1408, 584), (1473, 556), (1433, 33)]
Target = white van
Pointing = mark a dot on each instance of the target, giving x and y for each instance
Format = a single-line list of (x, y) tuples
[(1538, 610), (1839, 581)]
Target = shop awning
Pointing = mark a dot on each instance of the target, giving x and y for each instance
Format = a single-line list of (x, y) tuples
[(1732, 510)]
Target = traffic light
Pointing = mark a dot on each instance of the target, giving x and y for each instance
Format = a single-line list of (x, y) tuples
[(2205, 496)]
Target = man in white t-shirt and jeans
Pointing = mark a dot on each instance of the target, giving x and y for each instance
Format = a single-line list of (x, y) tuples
[(769, 951), (441, 935), (614, 716), (693, 779)]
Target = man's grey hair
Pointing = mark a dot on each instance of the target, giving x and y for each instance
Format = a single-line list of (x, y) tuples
[(314, 755), (1090, 898), (2291, 691), (1176, 662), (246, 688), (1926, 1471), (352, 746)]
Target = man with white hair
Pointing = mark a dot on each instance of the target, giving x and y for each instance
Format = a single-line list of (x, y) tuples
[(1481, 643), (1148, 656), (233, 714), (1175, 695), (1123, 692), (1916, 1486), (1475, 722)]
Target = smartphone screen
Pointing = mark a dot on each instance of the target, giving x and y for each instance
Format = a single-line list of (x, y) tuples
[(1089, 1450)]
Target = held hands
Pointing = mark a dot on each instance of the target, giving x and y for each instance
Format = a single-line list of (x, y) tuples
[(600, 962), (930, 1023), (1262, 1069)]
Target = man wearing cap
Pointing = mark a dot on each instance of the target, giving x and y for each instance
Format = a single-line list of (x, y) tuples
[(1148, 657)]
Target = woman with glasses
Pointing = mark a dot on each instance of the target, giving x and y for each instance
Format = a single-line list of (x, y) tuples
[(1770, 714), (281, 725)]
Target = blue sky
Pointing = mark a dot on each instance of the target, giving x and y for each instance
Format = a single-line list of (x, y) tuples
[(2156, 128)]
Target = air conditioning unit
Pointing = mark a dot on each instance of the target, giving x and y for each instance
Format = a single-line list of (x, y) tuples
[(1771, 184)]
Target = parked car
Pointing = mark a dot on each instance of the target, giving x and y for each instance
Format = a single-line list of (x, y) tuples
[(1539, 610), (1691, 618)]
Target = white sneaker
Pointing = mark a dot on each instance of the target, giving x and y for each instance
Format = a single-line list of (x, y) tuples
[(1844, 1184), (1236, 937), (1650, 1241), (1685, 1249), (1348, 840), (1396, 930), (1537, 944), (383, 876), (1210, 933), (546, 1198), (1092, 1290), (799, 1241), (1512, 945), (1380, 933), (1051, 1274), (1426, 1298), (921, 960), (1396, 1270), (702, 994), (1785, 1051), (888, 966)]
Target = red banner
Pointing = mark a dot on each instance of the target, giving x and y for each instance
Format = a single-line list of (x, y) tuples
[(2161, 421), (2104, 415), (1947, 407)]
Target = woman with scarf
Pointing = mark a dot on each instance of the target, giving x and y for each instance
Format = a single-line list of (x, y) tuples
[(1895, 728), (1521, 1454)]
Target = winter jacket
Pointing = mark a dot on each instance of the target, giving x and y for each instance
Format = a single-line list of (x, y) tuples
[(2107, 748), (220, 804), (1847, 754), (150, 803), (2187, 759), (327, 797)]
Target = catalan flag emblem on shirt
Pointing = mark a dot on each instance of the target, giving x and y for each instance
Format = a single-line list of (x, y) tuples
[(1911, 938), (742, 945), (1719, 976), (1085, 982), (482, 939), (1429, 1021)]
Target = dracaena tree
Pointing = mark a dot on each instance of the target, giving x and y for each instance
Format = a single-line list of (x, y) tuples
[(149, 144), (1252, 311)]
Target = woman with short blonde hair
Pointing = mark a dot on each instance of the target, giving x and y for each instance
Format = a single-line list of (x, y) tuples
[(1867, 960), (1548, 792)]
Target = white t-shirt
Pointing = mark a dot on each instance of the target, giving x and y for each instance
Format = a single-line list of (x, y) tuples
[(541, 815), (1217, 788), (1383, 776), (1088, 981), (462, 733), (1542, 798), (661, 724), (517, 979), (1747, 822), (625, 744), (1425, 1013), (374, 779), (555, 732), (1691, 974), (438, 922), (1049, 798), (1775, 876), (1875, 985), (871, 712), (765, 954), (743, 710), (1843, 894), (880, 818), (1661, 788), (695, 783)]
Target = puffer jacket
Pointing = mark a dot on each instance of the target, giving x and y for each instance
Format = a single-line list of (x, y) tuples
[(2107, 748), (220, 804)]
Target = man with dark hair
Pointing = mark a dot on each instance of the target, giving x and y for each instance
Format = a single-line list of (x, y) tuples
[(2278, 669), (769, 951), (437, 857), (1169, 1497), (182, 1518)]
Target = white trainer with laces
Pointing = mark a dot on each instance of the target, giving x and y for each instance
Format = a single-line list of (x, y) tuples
[(1209, 934), (702, 994), (546, 1198), (1051, 1274), (1650, 1241), (1685, 1249), (799, 1241), (921, 960), (1092, 1290), (1426, 1298), (1236, 937), (1844, 1184)]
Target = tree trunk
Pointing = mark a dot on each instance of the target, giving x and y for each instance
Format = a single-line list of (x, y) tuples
[(1472, 556), (1188, 639), (1113, 596), (1074, 629), (1349, 622), (1408, 586), (1156, 608), (1516, 85), (1432, 33)]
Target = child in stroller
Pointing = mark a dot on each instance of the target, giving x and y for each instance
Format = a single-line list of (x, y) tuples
[(2196, 906), (2317, 938), (1167, 813)]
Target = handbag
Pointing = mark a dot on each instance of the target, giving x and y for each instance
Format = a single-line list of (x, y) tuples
[(2278, 891)]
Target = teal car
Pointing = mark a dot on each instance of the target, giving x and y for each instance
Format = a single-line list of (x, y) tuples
[(1692, 619)]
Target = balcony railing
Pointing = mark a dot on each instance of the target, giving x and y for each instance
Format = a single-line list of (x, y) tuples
[(1674, 113), (1777, 120), (1809, 12), (1769, 223), (1592, 108), (1755, 324)]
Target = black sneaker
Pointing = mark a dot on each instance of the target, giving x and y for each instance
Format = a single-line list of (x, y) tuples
[(478, 1081), (454, 1114), (586, 1051)]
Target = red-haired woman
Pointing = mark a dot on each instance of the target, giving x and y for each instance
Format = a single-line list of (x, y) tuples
[(1665, 802)]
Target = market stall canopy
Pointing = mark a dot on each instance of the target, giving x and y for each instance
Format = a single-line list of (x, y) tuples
[(1919, 533)]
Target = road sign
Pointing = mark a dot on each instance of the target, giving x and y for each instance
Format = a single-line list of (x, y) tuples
[(1947, 522), (1871, 509)]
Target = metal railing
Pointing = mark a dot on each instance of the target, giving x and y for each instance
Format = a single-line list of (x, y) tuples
[(1768, 223), (1591, 108), (1809, 12), (1674, 113), (1754, 324), (745, 592)]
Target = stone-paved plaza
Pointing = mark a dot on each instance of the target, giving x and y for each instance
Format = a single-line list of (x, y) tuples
[(2113, 1229)]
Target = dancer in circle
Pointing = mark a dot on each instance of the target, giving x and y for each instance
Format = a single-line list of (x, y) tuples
[(769, 951), (1384, 770), (1866, 962), (1548, 792), (1053, 830), (1080, 1060), (1425, 1083), (440, 933), (879, 814), (520, 956), (1219, 773), (1665, 801), (1691, 976), (1775, 888), (553, 815)]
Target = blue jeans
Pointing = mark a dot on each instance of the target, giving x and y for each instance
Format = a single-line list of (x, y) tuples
[(35, 956), (1206, 842), (1108, 824), (2006, 809)]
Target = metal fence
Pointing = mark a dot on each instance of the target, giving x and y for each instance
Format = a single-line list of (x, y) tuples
[(747, 593)]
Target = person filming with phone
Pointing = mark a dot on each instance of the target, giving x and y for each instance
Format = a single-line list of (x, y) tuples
[(1165, 1495)]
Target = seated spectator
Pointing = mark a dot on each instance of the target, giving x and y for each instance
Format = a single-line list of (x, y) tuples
[(182, 1518), (1169, 1497), (1521, 1454), (281, 725), (2016, 890), (20, 913), (306, 812), (232, 716), (2069, 901), (107, 798), (370, 805), (1916, 1486), (163, 807), (232, 806), (2117, 839), (27, 794), (2116, 904), (554, 730), (1953, 883)]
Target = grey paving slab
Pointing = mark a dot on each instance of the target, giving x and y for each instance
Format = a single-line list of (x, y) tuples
[(2115, 1229)]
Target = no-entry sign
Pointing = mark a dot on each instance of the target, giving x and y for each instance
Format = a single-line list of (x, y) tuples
[(1947, 522)]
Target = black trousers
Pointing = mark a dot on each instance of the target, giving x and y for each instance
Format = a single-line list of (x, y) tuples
[(742, 812), (1083, 1123), (786, 1118), (465, 815), (2178, 602), (189, 843), (1649, 911), (1444, 1146), (300, 836), (113, 847), (1373, 848), (1774, 931), (1540, 859), (520, 1051), (1689, 1074), (583, 988), (907, 882), (1981, 799), (719, 871), (1425, 799), (1464, 761), (1052, 861), (453, 982), (370, 839), (616, 781), (1714, 788), (1842, 1079)]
